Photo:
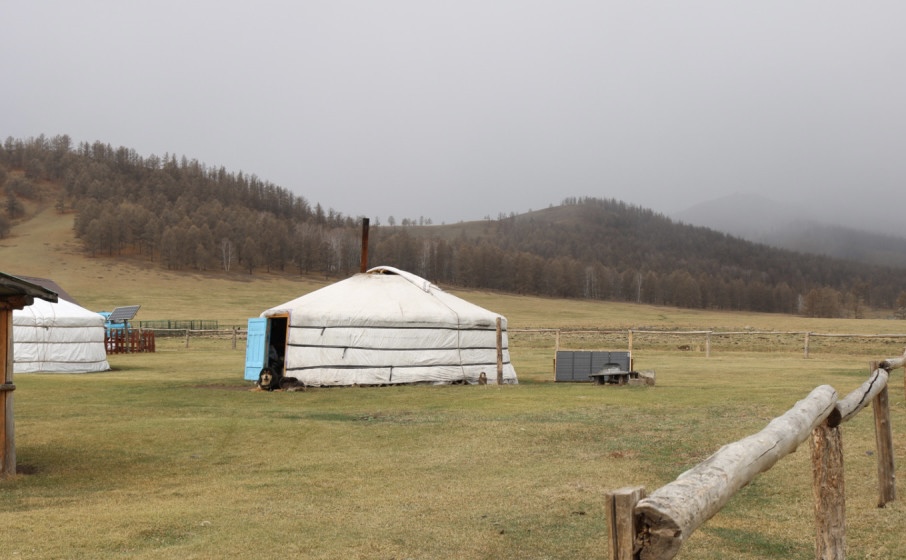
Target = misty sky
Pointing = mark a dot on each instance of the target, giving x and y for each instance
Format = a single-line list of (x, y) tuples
[(462, 109)]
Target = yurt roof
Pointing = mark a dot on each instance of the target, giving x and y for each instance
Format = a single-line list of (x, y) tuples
[(60, 314), (382, 296)]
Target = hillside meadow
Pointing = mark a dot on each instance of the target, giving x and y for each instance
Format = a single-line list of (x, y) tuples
[(172, 455)]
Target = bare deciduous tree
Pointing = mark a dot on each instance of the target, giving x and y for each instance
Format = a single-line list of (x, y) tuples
[(227, 254)]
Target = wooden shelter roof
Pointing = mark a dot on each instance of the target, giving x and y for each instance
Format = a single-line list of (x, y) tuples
[(13, 286), (49, 284)]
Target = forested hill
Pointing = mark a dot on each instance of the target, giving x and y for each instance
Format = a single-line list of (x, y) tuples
[(607, 249), (186, 216)]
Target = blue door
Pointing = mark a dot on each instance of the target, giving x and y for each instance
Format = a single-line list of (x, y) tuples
[(255, 349)]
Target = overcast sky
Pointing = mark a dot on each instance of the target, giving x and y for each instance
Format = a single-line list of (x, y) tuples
[(455, 110)]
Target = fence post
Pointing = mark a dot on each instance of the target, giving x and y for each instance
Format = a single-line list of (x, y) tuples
[(708, 345), (830, 497), (621, 521), (806, 345), (235, 331), (187, 338), (887, 488), (499, 352)]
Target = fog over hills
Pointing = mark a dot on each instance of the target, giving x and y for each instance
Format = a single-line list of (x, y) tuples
[(760, 219)]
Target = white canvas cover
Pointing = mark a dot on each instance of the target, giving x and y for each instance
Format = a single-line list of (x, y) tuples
[(388, 326), (58, 337)]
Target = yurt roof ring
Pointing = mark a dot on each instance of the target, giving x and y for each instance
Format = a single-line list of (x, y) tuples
[(417, 281)]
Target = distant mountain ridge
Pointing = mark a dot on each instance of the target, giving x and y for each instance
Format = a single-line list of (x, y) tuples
[(762, 220), (179, 214), (608, 249)]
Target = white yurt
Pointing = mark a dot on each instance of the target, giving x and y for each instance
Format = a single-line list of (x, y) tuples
[(387, 326), (58, 337)]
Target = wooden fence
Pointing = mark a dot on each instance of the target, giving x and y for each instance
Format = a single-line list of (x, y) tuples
[(125, 342), (655, 526), (622, 338), (234, 334), (702, 338)]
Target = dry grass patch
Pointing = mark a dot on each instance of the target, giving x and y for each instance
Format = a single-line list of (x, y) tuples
[(171, 455)]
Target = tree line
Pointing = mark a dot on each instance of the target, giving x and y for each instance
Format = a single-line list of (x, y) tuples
[(187, 216)]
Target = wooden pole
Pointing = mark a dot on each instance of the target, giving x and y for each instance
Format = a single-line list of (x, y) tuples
[(499, 352), (829, 490), (7, 431), (630, 342), (621, 521), (235, 335), (708, 345), (887, 488), (806, 345), (363, 267), (187, 338)]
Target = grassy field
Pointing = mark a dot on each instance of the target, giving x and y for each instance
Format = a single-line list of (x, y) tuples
[(171, 455)]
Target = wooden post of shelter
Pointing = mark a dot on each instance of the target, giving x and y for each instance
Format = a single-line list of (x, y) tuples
[(7, 435), (499, 352), (622, 521), (630, 342), (15, 293)]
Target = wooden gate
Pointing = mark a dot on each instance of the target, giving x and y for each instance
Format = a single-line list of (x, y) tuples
[(126, 342)]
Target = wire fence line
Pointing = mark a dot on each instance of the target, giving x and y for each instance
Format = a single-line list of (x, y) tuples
[(706, 343)]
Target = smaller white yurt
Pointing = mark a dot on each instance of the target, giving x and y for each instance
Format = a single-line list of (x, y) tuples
[(58, 337), (384, 326)]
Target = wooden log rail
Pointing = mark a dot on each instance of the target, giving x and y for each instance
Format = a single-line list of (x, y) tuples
[(654, 526)]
